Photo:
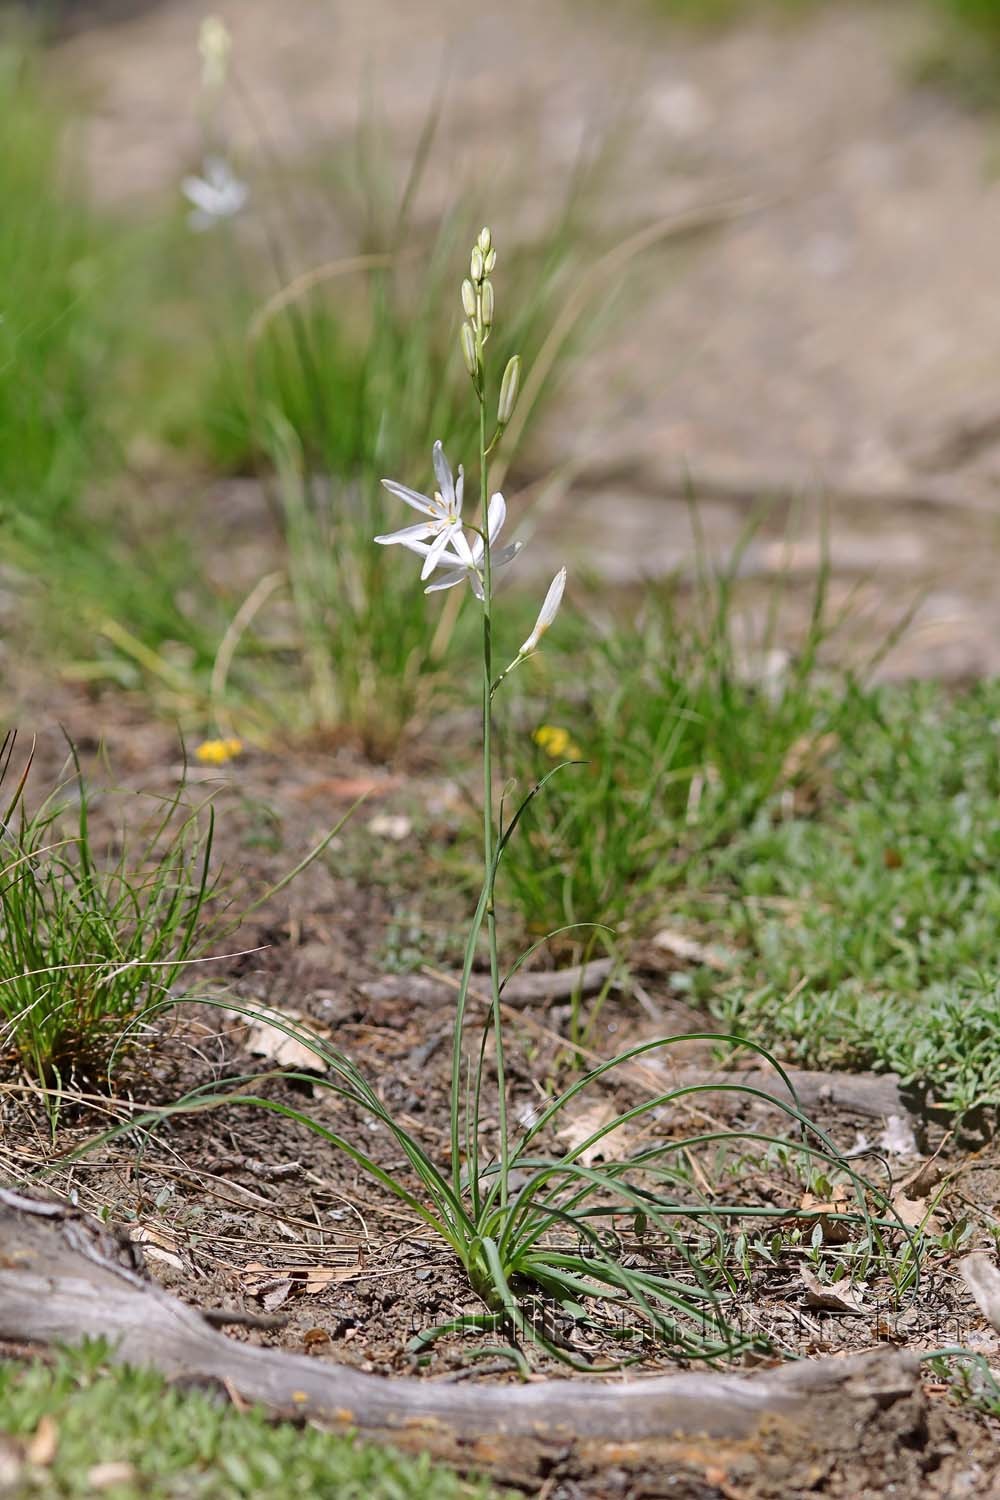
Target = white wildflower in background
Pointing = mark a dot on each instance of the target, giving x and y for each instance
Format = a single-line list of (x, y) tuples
[(217, 194), (547, 613), (444, 513)]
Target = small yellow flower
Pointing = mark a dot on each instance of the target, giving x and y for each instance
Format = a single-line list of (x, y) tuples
[(218, 752), (556, 742)]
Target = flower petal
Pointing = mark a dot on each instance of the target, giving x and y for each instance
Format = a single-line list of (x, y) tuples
[(197, 191), (442, 471), (466, 554), (407, 534), (412, 497), (547, 613), (496, 516), (448, 580), (436, 550), (459, 490)]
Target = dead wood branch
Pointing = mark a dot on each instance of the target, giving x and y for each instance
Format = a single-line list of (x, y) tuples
[(62, 1278), (876, 1095), (523, 989)]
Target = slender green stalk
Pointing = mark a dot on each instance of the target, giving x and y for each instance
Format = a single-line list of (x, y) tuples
[(488, 859)]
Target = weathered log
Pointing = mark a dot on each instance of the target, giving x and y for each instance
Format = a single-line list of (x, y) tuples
[(877, 1095), (64, 1277), (522, 989)]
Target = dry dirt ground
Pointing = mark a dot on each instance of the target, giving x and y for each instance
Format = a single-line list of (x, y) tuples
[(835, 336), (247, 1213)]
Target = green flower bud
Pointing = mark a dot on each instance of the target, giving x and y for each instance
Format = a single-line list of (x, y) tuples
[(476, 264), (509, 387), (467, 339), (485, 239), (469, 298), (487, 295), (490, 261)]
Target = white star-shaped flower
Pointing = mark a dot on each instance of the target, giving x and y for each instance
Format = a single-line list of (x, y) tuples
[(470, 567), (444, 517), (465, 562), (217, 194)]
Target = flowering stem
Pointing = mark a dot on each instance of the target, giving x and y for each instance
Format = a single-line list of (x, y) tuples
[(488, 844), (486, 906)]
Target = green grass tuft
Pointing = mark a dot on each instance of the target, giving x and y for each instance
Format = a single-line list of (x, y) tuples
[(87, 940)]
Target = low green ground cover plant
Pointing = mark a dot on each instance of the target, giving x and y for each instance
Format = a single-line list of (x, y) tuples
[(683, 734), (867, 935), (129, 1434), (839, 841)]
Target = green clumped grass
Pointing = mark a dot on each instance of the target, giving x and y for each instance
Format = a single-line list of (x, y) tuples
[(72, 332), (840, 841), (870, 935), (343, 377), (55, 337), (981, 15), (88, 940), (963, 52), (682, 738), (188, 1444), (716, 12)]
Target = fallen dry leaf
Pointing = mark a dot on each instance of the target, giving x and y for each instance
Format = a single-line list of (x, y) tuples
[(680, 946), (582, 1126), (830, 1298), (275, 1284), (982, 1278), (318, 1278), (278, 1294), (43, 1443), (106, 1476), (265, 1039), (922, 1179), (834, 1231), (157, 1246), (915, 1214)]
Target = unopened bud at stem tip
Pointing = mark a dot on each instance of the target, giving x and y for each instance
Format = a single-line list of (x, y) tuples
[(476, 264), (485, 240), (490, 261)]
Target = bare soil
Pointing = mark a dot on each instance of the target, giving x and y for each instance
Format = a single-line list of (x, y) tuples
[(834, 340), (244, 1212)]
